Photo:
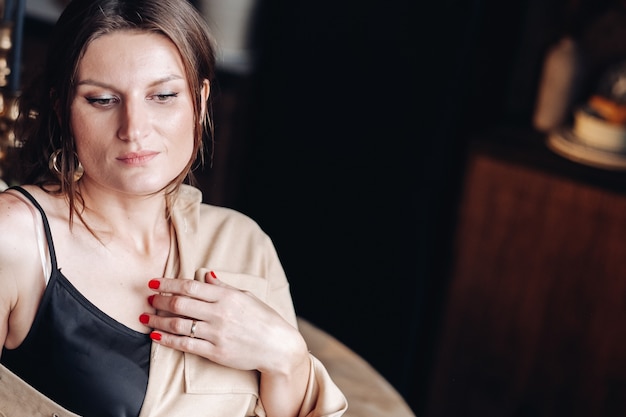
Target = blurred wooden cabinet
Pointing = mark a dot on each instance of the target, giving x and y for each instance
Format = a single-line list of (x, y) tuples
[(535, 319)]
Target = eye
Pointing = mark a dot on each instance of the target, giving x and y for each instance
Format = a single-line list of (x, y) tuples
[(102, 101), (164, 98)]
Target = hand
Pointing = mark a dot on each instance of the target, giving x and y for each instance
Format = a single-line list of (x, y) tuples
[(224, 324)]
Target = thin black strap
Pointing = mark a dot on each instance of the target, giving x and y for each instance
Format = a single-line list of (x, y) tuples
[(46, 225)]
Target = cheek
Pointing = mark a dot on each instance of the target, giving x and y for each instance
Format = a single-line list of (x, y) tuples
[(186, 149), (86, 138), (82, 125), (184, 137), (80, 131)]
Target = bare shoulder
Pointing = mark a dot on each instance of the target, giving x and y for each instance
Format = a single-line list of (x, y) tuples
[(21, 226), (18, 240), (20, 265), (16, 215)]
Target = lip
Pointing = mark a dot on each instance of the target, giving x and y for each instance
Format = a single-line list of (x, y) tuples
[(137, 158)]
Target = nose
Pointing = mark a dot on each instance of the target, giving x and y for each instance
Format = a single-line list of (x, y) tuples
[(134, 120)]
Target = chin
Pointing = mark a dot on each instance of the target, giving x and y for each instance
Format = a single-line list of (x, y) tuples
[(146, 188)]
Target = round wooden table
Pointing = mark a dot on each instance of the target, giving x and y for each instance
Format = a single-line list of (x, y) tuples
[(368, 393)]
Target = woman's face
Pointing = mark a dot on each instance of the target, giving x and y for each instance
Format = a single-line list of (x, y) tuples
[(132, 114)]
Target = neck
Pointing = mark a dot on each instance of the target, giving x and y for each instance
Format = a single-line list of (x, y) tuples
[(134, 221)]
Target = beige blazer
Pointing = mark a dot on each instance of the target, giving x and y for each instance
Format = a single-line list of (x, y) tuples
[(185, 385)]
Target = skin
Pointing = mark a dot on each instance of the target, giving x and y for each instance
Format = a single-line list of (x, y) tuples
[(132, 119)]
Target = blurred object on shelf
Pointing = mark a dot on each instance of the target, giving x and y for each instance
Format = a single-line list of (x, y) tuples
[(598, 133), (610, 110), (6, 43), (560, 85), (563, 142), (572, 66), (11, 35), (9, 112), (601, 121), (612, 83)]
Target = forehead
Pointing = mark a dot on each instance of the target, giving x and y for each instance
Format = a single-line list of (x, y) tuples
[(130, 55)]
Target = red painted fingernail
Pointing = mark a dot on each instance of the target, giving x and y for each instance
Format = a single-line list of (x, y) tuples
[(154, 284), (155, 336), (151, 299), (144, 318), (213, 274)]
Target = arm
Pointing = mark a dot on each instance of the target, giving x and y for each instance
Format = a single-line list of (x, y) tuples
[(7, 303), (8, 254), (21, 276), (235, 329), (282, 388), (230, 242)]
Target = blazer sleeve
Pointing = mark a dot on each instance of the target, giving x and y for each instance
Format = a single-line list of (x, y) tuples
[(323, 398), (233, 242)]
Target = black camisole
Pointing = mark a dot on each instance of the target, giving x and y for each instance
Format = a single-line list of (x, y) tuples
[(79, 356)]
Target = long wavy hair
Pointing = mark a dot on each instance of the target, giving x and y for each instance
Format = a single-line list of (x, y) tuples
[(44, 127)]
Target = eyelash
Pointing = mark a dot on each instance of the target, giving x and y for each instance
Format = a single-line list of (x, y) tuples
[(101, 101), (165, 97), (107, 101)]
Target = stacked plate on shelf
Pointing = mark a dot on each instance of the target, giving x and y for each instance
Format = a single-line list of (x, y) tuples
[(597, 135)]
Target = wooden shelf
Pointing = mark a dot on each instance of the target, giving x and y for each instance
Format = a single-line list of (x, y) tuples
[(534, 319)]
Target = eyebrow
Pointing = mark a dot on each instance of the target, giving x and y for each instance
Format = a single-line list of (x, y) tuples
[(159, 81)]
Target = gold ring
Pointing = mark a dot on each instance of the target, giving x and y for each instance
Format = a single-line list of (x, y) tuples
[(192, 333)]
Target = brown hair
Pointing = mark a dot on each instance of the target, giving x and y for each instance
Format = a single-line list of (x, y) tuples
[(44, 123)]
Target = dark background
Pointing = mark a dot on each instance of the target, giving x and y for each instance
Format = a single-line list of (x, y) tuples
[(348, 145), (356, 150), (360, 117)]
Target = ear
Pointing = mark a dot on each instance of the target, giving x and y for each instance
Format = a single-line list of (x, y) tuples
[(205, 90)]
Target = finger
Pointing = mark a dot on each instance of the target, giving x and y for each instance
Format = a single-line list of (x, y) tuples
[(187, 287), (216, 352), (187, 335), (181, 326), (182, 306), (192, 330), (211, 278), (188, 344)]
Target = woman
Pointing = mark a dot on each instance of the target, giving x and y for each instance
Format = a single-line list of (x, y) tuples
[(123, 295)]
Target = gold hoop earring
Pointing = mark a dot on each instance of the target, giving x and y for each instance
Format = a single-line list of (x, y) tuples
[(79, 171), (53, 165), (52, 162)]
